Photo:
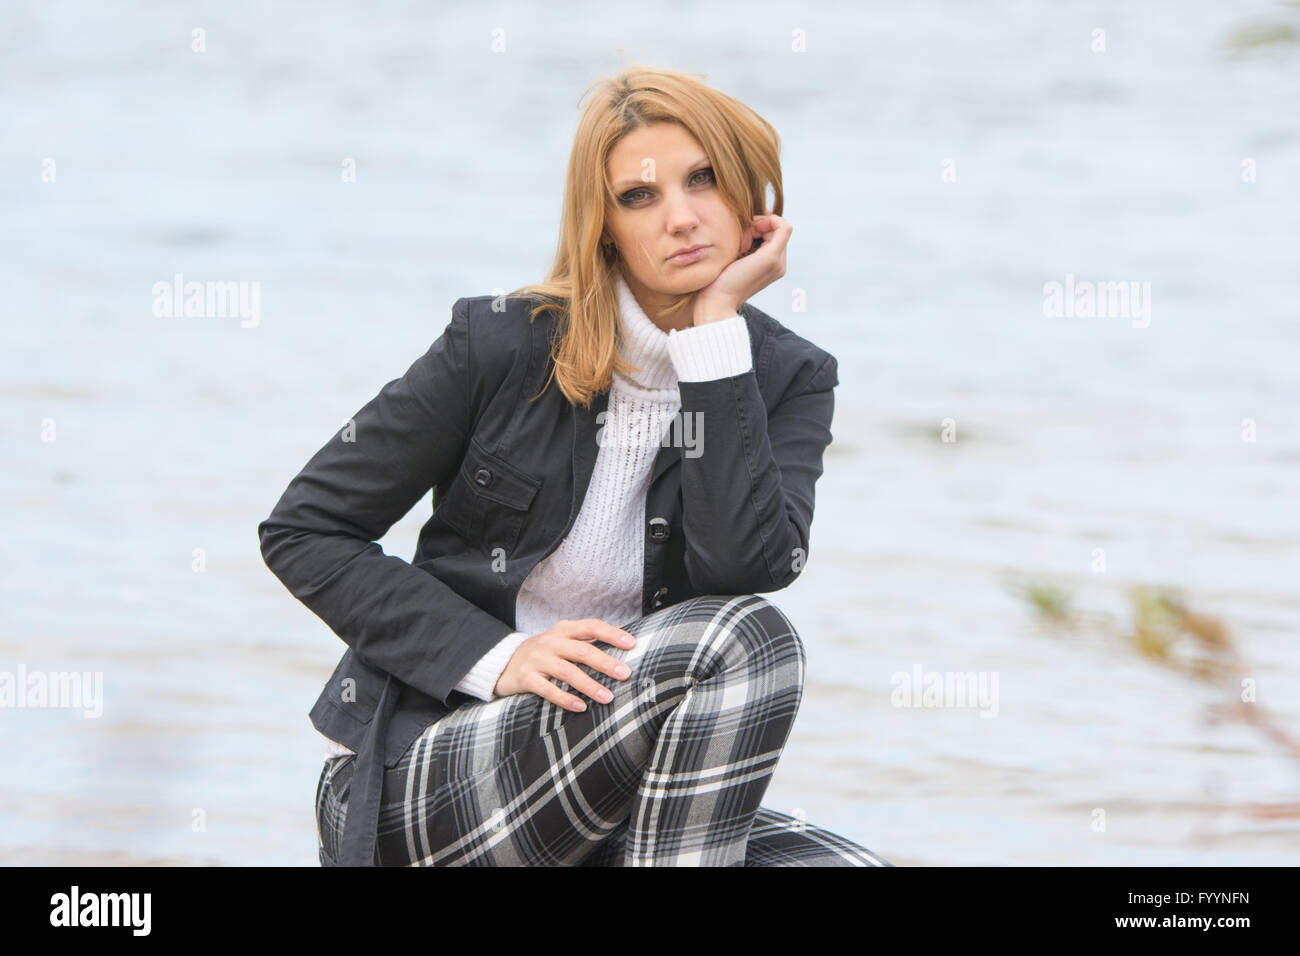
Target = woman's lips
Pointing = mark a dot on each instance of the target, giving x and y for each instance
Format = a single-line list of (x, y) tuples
[(686, 258)]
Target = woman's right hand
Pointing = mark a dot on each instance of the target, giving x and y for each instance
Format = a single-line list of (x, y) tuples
[(557, 653)]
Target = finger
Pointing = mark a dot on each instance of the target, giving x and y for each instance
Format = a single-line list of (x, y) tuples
[(746, 241), (780, 237), (543, 688), (581, 682), (777, 226), (597, 660), (594, 629)]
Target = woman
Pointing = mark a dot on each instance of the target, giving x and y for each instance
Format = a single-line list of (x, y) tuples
[(601, 541)]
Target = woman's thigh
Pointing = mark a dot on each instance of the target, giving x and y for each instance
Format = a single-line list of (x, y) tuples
[(521, 781)]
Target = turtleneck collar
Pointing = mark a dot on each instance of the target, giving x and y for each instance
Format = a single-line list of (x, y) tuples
[(643, 344)]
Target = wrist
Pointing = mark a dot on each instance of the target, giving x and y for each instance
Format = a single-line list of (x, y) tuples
[(714, 310), (497, 662), (504, 683)]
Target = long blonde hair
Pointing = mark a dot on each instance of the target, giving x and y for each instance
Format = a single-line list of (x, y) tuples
[(581, 287)]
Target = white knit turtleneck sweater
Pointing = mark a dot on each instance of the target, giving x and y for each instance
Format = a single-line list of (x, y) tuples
[(598, 568)]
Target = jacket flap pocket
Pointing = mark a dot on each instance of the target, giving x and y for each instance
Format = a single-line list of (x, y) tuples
[(492, 477)]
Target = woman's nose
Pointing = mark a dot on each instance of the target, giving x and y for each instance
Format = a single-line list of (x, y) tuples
[(682, 216)]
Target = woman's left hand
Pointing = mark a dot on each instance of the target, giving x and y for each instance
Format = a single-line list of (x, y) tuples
[(755, 269)]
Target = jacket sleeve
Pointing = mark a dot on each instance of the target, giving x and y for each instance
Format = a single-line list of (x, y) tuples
[(321, 538), (747, 496)]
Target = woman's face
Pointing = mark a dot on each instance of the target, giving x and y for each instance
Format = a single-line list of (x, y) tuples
[(681, 206)]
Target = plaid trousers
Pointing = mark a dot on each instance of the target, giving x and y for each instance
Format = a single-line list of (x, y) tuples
[(668, 773)]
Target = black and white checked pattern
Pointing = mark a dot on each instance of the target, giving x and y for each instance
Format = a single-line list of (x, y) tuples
[(668, 773)]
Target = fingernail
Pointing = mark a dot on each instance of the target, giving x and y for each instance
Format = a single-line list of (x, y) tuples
[(622, 670)]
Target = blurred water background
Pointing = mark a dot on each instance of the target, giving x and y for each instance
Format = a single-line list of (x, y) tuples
[(1073, 433)]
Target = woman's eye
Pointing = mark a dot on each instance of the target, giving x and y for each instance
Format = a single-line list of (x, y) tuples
[(628, 198)]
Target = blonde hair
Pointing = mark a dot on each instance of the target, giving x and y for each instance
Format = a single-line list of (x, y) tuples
[(581, 287)]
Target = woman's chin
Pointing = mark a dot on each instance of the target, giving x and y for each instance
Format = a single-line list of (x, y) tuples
[(687, 281)]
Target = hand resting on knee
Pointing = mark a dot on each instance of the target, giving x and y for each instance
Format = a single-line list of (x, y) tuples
[(556, 653)]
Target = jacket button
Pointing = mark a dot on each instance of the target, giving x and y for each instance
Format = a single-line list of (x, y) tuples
[(658, 529), (660, 595), (483, 477)]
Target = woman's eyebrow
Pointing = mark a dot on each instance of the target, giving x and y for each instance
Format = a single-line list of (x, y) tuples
[(625, 183)]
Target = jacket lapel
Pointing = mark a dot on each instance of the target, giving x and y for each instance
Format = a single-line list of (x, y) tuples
[(668, 456), (585, 448)]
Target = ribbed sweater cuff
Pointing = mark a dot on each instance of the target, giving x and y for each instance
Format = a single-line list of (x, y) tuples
[(710, 351), (483, 676)]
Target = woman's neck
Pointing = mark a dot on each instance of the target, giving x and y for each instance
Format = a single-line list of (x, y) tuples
[(655, 306)]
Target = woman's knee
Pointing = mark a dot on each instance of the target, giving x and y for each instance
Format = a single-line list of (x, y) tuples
[(775, 626), (696, 637), (759, 624)]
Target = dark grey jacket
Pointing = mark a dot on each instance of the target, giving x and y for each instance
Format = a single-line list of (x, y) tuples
[(508, 478)]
